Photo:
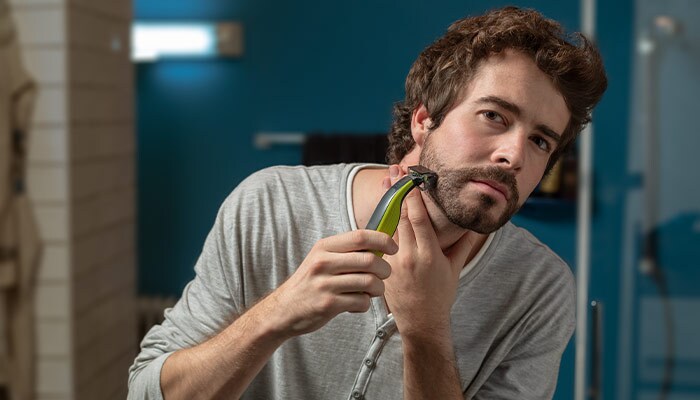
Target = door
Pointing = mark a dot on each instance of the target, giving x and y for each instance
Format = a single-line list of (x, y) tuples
[(658, 332)]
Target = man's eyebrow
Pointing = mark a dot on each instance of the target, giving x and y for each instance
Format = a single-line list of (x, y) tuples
[(513, 108), (501, 103), (547, 131)]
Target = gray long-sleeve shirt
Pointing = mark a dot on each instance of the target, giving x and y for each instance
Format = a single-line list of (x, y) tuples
[(512, 318)]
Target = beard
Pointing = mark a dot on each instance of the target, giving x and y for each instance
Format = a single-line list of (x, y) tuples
[(473, 214)]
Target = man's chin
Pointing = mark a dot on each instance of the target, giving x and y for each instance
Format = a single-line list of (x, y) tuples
[(468, 210), (480, 220)]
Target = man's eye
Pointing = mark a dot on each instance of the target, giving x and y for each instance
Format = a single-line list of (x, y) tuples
[(541, 143), (493, 116)]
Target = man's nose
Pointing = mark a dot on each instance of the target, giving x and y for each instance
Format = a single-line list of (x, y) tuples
[(510, 151)]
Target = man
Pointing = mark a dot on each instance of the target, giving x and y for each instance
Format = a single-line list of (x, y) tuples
[(289, 303)]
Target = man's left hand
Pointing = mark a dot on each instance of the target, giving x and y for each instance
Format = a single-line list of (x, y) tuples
[(423, 283)]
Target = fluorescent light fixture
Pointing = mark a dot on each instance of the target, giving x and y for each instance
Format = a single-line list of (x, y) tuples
[(155, 40)]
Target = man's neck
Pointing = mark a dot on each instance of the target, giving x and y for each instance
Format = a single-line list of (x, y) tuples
[(367, 191)]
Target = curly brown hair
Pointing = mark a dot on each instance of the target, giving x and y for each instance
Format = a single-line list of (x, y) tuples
[(438, 77)]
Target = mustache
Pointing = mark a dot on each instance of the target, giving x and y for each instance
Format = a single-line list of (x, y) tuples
[(460, 177)]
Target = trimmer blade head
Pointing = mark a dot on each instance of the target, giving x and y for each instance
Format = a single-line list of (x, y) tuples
[(422, 177)]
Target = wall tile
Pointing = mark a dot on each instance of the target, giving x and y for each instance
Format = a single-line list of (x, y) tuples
[(84, 328), (50, 106), (106, 8), (96, 359), (53, 338), (90, 29), (53, 301), (55, 263), (40, 26), (94, 177), (56, 397), (89, 250), (103, 285), (92, 250), (85, 292), (48, 145), (105, 67), (46, 183), (35, 3), (46, 65), (54, 376), (103, 210), (115, 313), (90, 141), (99, 105), (52, 220)]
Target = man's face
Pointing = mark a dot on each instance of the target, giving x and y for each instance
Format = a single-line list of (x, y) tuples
[(491, 150)]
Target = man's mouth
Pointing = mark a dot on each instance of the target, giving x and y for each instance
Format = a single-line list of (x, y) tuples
[(499, 187)]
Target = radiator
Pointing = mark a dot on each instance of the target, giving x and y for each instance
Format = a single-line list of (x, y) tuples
[(150, 312)]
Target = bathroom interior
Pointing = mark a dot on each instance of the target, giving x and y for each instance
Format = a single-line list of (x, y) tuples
[(129, 155)]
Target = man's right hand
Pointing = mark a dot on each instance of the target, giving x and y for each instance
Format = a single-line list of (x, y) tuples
[(339, 274)]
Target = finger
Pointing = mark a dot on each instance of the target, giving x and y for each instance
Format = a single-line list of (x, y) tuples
[(331, 305), (354, 302), (458, 253), (379, 267), (355, 262), (359, 240), (353, 283), (406, 238), (419, 220), (393, 176), (386, 183), (395, 173)]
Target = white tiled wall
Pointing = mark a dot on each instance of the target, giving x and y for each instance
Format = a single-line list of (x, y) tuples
[(81, 178), (50, 109), (48, 183), (53, 301), (54, 376), (48, 145), (54, 338), (40, 25), (47, 64), (53, 222), (55, 263)]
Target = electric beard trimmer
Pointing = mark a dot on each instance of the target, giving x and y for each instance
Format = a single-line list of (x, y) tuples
[(385, 217)]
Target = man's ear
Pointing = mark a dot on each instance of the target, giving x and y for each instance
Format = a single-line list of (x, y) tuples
[(420, 124)]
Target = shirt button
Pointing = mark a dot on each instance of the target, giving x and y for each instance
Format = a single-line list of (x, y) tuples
[(356, 395), (369, 363), (381, 334)]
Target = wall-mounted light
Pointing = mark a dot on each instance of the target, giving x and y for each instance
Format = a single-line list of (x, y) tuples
[(156, 40)]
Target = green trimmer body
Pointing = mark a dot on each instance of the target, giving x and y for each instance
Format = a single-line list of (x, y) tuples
[(386, 215)]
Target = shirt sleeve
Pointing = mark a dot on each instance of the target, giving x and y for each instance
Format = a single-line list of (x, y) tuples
[(208, 305)]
